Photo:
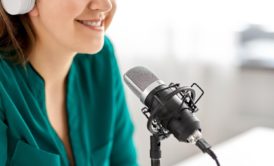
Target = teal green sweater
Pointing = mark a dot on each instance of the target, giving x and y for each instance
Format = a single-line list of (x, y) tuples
[(100, 128)]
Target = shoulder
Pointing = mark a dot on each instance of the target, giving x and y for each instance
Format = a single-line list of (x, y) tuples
[(12, 78), (6, 69), (6, 74), (9, 70)]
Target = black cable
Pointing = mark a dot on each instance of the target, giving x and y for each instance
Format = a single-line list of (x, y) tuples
[(205, 147), (212, 154)]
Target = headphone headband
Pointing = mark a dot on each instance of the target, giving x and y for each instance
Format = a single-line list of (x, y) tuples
[(16, 7)]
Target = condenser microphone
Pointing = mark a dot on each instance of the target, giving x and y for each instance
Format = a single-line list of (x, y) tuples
[(154, 93), (169, 108)]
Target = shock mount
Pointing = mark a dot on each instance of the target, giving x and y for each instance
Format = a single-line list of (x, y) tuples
[(187, 95)]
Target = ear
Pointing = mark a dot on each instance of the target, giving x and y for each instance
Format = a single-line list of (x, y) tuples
[(34, 12)]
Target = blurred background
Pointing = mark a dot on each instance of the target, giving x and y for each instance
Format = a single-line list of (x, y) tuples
[(227, 47)]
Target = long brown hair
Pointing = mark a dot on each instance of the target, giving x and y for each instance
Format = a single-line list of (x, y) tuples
[(16, 36)]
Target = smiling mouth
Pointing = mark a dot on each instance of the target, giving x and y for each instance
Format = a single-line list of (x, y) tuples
[(92, 24)]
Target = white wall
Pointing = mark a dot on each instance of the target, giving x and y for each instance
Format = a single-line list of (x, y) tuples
[(196, 41)]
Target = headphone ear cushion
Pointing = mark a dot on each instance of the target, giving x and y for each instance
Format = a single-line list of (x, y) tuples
[(15, 7)]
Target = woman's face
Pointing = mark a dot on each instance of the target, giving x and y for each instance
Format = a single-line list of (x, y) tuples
[(75, 25)]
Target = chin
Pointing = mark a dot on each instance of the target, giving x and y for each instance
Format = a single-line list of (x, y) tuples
[(93, 48)]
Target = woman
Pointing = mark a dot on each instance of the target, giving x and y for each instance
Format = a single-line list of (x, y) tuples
[(60, 105)]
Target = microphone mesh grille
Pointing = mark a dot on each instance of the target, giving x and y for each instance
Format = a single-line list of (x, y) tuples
[(141, 77)]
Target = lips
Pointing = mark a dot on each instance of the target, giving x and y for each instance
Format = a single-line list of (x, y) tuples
[(95, 24), (91, 23)]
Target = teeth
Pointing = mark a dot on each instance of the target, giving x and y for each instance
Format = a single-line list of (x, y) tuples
[(91, 23)]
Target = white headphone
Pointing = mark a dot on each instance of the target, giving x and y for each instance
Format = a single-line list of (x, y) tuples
[(16, 7)]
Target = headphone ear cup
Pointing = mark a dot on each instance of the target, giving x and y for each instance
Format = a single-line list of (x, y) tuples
[(28, 6), (16, 7)]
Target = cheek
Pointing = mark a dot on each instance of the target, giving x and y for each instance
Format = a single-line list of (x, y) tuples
[(57, 16), (59, 24), (110, 14), (61, 9), (71, 8)]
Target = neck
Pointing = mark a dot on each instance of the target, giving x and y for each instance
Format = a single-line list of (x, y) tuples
[(52, 65)]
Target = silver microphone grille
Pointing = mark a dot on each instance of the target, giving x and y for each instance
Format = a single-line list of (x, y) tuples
[(141, 81)]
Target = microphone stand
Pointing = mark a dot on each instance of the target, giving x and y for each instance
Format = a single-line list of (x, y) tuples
[(155, 150), (158, 134)]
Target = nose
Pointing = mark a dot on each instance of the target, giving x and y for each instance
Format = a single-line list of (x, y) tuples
[(101, 5)]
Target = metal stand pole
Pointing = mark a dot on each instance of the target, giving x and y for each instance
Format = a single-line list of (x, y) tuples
[(155, 150)]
